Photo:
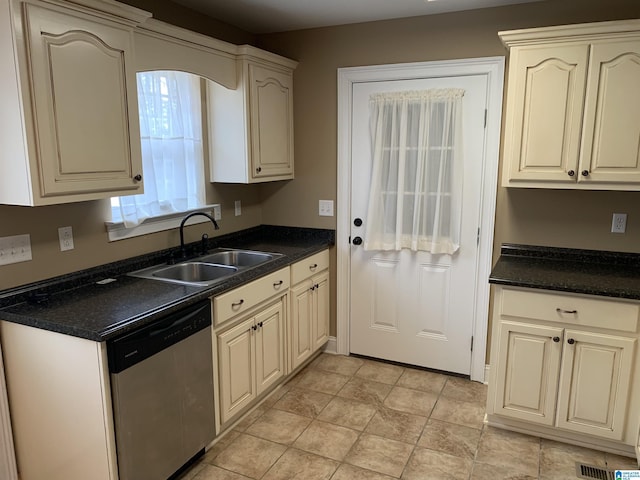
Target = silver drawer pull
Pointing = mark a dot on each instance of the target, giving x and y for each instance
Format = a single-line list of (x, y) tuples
[(237, 304), (568, 312), (277, 284)]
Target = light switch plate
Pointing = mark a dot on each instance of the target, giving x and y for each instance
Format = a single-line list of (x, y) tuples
[(217, 212), (15, 249), (325, 208)]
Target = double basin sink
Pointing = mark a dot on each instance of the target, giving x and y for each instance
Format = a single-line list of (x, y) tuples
[(208, 269)]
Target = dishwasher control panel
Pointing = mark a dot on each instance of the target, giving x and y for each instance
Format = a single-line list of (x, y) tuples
[(125, 351)]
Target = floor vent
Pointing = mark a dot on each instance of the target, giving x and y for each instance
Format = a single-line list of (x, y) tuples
[(592, 472)]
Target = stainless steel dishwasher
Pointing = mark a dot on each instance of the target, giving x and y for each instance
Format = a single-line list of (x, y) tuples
[(162, 389)]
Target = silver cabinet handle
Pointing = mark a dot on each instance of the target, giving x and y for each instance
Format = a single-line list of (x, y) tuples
[(568, 312)]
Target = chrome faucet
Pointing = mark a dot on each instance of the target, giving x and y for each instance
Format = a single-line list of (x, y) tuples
[(215, 225)]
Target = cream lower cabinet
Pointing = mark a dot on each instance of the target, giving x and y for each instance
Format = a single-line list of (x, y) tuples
[(565, 362), (572, 103), (249, 341), (250, 359), (70, 114), (309, 325), (528, 370), (60, 400)]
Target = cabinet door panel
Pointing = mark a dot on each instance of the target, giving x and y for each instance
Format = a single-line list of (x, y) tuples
[(529, 363), (301, 323), (321, 310), (594, 385), (236, 354), (85, 105), (611, 139), (271, 123), (545, 112), (270, 364)]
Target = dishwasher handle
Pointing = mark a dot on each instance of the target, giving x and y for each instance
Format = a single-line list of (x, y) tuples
[(132, 348)]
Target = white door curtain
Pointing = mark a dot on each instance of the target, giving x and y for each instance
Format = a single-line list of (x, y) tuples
[(171, 141), (415, 201)]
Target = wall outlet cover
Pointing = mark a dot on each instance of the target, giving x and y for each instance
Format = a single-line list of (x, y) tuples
[(65, 235), (619, 223)]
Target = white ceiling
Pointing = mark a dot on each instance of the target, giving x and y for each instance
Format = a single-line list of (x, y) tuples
[(267, 16)]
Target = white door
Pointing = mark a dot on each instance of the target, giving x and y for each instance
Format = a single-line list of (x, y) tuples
[(415, 307)]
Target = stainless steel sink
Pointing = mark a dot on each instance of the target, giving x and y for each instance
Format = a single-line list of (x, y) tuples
[(195, 272), (191, 273), (208, 269), (237, 258)]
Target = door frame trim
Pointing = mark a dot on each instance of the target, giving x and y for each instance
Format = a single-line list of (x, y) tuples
[(493, 68)]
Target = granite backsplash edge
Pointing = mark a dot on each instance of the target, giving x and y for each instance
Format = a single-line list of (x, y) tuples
[(70, 281)]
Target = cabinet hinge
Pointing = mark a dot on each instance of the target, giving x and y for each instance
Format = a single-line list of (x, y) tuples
[(472, 343), (485, 117), (478, 237)]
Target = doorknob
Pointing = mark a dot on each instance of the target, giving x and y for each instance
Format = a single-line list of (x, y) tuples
[(357, 241), (357, 222)]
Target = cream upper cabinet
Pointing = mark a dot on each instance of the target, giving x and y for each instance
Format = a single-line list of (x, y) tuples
[(572, 107), (70, 121), (565, 362), (251, 127), (611, 137)]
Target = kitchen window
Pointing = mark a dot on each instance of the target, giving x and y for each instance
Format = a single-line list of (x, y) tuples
[(416, 183), (169, 104)]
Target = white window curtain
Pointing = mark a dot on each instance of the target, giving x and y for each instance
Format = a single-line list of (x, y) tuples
[(172, 155), (416, 181)]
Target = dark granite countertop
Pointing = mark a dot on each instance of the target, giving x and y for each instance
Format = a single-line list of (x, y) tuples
[(592, 272), (84, 305)]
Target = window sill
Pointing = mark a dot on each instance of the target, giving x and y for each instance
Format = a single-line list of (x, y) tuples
[(117, 231)]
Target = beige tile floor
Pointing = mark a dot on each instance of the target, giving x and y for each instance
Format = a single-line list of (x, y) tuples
[(347, 418)]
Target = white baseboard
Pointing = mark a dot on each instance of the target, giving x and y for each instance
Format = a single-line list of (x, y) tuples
[(331, 346)]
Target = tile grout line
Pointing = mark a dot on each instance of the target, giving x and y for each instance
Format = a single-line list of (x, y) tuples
[(378, 405)]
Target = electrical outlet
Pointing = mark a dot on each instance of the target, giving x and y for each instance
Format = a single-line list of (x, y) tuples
[(325, 208), (65, 235), (217, 212), (619, 223), (238, 207), (15, 249)]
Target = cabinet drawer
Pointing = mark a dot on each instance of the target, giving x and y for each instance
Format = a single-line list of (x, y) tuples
[(575, 310), (309, 266), (243, 298)]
